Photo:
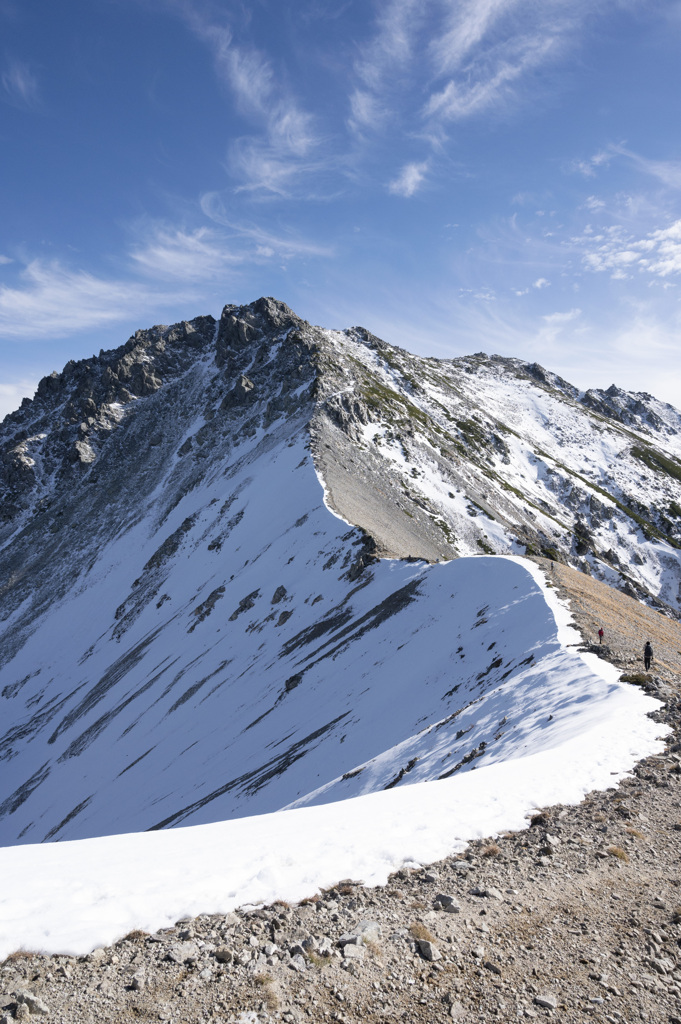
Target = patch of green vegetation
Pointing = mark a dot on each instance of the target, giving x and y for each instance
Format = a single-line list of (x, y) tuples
[(637, 678), (387, 356), (395, 364), (473, 433), (382, 398), (658, 462), (485, 546), (446, 529), (516, 491), (674, 510)]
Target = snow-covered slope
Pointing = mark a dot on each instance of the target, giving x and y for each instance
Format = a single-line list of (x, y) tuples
[(70, 897), (189, 633), (496, 455)]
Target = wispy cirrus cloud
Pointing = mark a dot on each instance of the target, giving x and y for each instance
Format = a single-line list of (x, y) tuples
[(52, 301), (588, 167), (20, 86), (380, 67), (367, 110), (196, 256), (558, 319), (489, 83), (668, 172), (554, 324), (165, 266), (487, 46), (266, 243), (465, 26), (432, 63), (409, 180), (470, 56), (282, 152)]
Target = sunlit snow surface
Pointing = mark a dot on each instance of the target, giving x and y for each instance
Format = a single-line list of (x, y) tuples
[(407, 673), (73, 896)]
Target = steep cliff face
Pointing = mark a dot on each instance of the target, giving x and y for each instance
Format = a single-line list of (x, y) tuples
[(194, 620)]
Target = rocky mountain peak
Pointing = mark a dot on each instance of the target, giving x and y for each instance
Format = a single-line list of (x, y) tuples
[(431, 458), (188, 633)]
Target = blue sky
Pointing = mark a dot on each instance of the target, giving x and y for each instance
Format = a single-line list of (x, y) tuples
[(456, 175)]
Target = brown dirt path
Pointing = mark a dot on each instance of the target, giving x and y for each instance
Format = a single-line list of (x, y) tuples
[(626, 623)]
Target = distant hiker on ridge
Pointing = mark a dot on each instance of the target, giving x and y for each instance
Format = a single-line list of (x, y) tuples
[(647, 654), (600, 635)]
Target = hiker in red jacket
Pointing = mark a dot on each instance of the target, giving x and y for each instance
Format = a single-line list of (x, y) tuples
[(600, 635)]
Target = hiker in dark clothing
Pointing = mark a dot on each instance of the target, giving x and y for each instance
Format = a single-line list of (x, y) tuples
[(647, 654), (600, 635)]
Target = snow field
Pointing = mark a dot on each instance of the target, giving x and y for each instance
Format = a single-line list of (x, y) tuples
[(73, 896)]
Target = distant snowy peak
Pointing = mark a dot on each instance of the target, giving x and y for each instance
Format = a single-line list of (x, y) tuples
[(432, 458)]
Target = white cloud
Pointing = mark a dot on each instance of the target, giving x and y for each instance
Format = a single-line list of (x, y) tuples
[(285, 246), (593, 203), (558, 319), (658, 253), (554, 325), (393, 44), (589, 166), (541, 282), (488, 46), (467, 25), (5, 259), (487, 81), (191, 256), (12, 393), (366, 110), (666, 171), (280, 154), (382, 69), (53, 301), (20, 86), (409, 180), (470, 57)]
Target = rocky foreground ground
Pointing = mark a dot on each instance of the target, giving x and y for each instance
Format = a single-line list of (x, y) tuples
[(577, 918)]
